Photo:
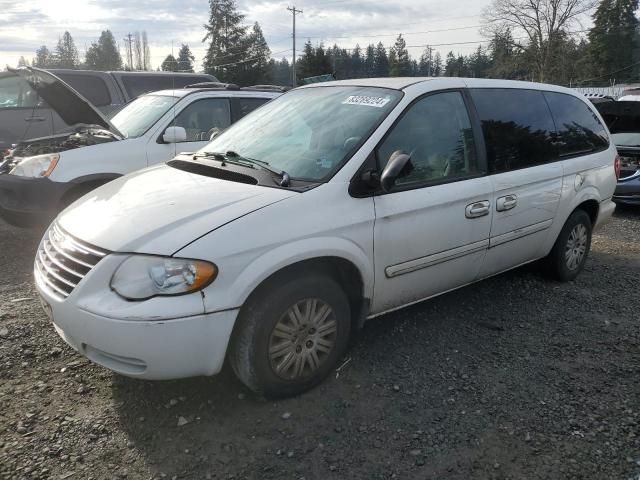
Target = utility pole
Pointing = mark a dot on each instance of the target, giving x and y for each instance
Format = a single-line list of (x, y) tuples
[(128, 41), (294, 11)]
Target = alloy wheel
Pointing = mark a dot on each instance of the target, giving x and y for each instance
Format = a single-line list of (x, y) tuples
[(302, 339), (576, 246)]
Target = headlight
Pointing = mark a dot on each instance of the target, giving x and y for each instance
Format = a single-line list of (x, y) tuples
[(38, 166), (144, 276)]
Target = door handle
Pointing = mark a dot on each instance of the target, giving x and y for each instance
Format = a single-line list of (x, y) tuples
[(34, 119), (506, 203), (477, 209)]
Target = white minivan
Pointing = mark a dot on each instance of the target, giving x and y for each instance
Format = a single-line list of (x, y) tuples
[(330, 205)]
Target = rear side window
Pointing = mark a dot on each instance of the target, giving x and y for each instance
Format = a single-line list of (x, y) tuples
[(136, 85), (517, 126), (16, 93), (90, 87), (578, 128), (248, 105)]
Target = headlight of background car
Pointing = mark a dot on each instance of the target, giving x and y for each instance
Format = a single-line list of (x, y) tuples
[(141, 277), (38, 166)]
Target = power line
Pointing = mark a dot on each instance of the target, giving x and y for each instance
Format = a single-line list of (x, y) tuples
[(395, 34), (248, 59)]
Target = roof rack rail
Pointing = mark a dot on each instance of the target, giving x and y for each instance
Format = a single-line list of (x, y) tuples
[(267, 88), (214, 86)]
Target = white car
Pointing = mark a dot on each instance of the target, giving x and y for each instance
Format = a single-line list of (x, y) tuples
[(44, 175), (330, 205)]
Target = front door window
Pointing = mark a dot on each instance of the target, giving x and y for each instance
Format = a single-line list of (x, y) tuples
[(436, 133)]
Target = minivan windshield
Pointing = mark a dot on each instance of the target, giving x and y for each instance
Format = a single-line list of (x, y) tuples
[(141, 114), (310, 132)]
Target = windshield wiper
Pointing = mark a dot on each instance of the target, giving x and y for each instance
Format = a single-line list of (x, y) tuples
[(236, 159), (285, 179)]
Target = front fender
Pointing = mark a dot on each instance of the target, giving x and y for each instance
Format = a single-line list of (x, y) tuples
[(256, 271)]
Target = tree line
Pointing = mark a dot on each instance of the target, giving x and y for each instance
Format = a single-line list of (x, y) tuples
[(548, 50), (104, 54), (525, 40)]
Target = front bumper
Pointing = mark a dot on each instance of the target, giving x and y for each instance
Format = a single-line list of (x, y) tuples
[(628, 190), (26, 202), (149, 340)]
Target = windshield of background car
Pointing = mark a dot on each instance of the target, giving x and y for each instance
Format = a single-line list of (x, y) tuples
[(141, 114), (627, 139), (310, 132)]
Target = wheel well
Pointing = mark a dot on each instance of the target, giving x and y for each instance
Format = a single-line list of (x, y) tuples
[(592, 208), (341, 270)]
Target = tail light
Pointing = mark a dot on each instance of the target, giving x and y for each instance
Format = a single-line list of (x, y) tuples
[(616, 166)]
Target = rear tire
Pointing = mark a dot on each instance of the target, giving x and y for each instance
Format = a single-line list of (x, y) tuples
[(291, 334), (570, 252)]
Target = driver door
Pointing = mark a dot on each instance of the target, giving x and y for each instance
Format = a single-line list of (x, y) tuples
[(432, 228), (200, 120)]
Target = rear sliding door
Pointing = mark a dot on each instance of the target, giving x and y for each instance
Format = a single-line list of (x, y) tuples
[(525, 172)]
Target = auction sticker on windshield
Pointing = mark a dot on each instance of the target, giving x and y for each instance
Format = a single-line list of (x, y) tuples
[(366, 100)]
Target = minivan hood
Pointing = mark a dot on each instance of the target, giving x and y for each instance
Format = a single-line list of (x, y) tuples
[(72, 107), (621, 117), (161, 209)]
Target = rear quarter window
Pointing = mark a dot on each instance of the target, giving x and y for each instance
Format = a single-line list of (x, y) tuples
[(517, 126), (90, 87), (578, 128), (247, 105)]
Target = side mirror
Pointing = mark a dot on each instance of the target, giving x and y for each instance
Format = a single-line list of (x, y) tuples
[(397, 162), (174, 135)]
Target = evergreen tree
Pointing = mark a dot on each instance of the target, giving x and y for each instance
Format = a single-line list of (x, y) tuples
[(185, 59), (104, 54), (227, 41), (44, 58), (66, 55), (393, 60), (479, 63), (437, 65), (400, 65), (370, 61), (255, 69), (22, 62), (450, 65), (381, 61), (169, 64), (357, 63), (424, 66), (613, 37), (280, 72), (504, 58), (305, 65)]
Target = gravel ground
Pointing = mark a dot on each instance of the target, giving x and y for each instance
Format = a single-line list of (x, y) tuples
[(514, 377)]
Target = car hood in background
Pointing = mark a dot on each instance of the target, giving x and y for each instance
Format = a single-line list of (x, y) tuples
[(621, 117), (161, 209), (72, 107)]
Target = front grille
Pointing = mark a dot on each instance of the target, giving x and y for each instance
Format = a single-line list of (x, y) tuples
[(63, 261)]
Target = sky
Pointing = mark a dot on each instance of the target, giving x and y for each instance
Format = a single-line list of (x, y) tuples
[(27, 24)]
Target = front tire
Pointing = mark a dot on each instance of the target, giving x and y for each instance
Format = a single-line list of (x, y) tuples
[(569, 253), (291, 334)]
